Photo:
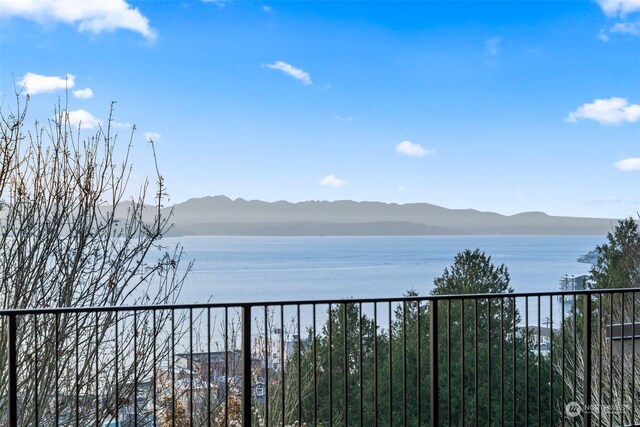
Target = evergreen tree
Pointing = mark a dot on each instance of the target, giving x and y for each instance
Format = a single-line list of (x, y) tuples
[(617, 267), (487, 370), (478, 340), (618, 264)]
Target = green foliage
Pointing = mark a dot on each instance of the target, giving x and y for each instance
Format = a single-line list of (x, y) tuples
[(488, 372), (333, 372), (619, 259), (485, 361), (472, 273)]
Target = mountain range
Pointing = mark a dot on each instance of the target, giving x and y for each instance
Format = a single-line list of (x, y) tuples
[(223, 216)]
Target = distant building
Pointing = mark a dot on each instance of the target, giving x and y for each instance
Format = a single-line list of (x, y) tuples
[(574, 282), (214, 364), (624, 337), (539, 338), (274, 350), (537, 335)]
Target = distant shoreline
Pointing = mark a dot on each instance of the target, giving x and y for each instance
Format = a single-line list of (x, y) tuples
[(222, 216), (383, 236)]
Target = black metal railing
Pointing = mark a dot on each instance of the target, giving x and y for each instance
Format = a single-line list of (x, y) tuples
[(563, 358)]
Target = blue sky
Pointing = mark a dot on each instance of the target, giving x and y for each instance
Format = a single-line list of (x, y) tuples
[(497, 106)]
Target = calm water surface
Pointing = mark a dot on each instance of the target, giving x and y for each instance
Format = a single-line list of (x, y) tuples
[(236, 269)]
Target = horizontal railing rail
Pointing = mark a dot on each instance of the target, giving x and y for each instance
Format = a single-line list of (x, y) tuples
[(422, 298), (546, 358)]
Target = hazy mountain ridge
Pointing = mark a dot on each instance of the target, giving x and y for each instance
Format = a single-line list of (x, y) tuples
[(220, 215)]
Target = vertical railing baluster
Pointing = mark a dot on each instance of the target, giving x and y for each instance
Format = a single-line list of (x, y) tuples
[(155, 367), (360, 362), (419, 364), (209, 366), (622, 357), (246, 366), (476, 384), (282, 357), (433, 359), (315, 367), (633, 357), (462, 362), (117, 372), (526, 361), (57, 367), (611, 320), (97, 402), (330, 356), (575, 353), (266, 364), (551, 370), (563, 363), (586, 347), (345, 365), (449, 361), (538, 401), (77, 366), (36, 369), (391, 396), (514, 365), (489, 352), (404, 363), (191, 367), (299, 357), (600, 373), (135, 368), (226, 366), (12, 339), (375, 363), (501, 361), (174, 401)]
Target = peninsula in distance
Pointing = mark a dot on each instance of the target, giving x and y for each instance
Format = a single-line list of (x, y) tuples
[(222, 216)]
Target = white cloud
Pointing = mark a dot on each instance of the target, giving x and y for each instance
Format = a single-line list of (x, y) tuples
[(610, 111), (83, 93), (414, 150), (154, 136), (619, 7), (94, 16), (266, 8), (294, 72), (492, 46), (603, 36), (83, 118), (402, 188), (632, 28), (628, 165), (343, 119), (36, 83), (332, 181)]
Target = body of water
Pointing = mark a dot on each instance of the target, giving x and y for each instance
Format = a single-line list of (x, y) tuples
[(237, 269)]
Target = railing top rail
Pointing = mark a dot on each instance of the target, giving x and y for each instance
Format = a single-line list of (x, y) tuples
[(421, 298)]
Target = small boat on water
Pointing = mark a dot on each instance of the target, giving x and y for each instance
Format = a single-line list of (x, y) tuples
[(590, 257)]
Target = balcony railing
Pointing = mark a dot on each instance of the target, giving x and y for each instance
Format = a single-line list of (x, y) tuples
[(565, 358)]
